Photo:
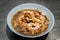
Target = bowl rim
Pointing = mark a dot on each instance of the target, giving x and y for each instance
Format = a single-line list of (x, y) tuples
[(37, 35)]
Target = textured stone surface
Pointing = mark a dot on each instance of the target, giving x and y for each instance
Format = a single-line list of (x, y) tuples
[(7, 5)]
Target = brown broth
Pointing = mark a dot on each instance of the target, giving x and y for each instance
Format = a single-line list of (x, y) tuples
[(30, 22)]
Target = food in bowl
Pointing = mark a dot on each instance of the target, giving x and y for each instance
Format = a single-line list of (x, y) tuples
[(30, 22)]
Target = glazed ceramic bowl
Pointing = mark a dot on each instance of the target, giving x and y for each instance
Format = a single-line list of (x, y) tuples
[(42, 8)]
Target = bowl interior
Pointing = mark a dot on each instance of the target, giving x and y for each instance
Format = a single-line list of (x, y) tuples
[(31, 6)]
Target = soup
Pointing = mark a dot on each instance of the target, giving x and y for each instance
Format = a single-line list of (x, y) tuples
[(30, 22)]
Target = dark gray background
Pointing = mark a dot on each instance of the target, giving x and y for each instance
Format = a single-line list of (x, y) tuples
[(7, 5)]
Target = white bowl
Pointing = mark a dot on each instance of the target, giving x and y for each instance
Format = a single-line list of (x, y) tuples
[(48, 13)]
